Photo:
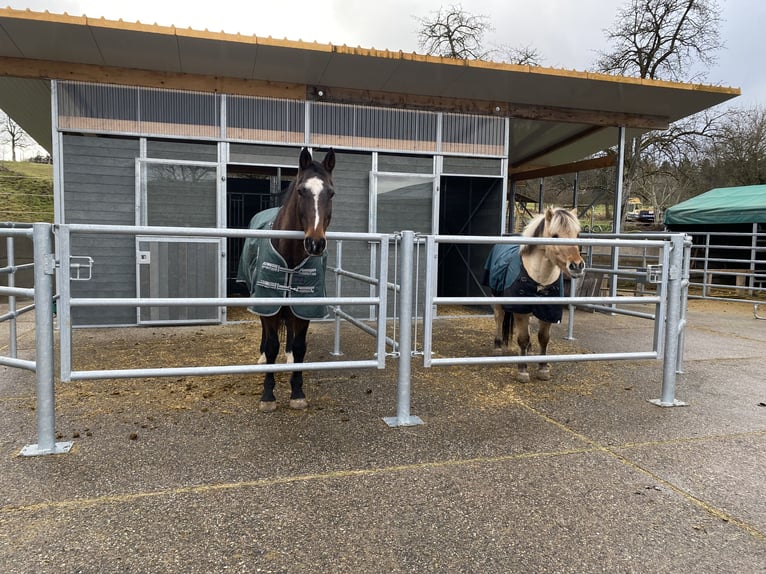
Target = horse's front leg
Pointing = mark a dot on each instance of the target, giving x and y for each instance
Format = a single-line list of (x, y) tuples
[(521, 324), (499, 313), (543, 337), (270, 349), (297, 330)]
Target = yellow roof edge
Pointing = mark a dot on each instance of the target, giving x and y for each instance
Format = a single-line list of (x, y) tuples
[(65, 18)]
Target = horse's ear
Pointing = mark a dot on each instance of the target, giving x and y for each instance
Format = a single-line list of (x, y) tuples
[(329, 160), (305, 160), (548, 215)]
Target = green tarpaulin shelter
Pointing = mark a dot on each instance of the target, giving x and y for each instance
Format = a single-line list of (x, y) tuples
[(723, 205)]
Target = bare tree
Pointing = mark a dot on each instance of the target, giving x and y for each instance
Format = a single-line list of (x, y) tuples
[(454, 33), (11, 134), (663, 39), (737, 155), (521, 55)]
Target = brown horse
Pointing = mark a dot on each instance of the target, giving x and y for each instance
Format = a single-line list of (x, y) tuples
[(289, 268), (538, 273)]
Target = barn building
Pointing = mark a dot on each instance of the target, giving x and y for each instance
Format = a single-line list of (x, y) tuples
[(154, 125)]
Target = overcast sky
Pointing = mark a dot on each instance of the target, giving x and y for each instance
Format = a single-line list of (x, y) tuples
[(566, 33)]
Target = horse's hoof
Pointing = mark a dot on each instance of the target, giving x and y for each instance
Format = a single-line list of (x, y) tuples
[(544, 374), (262, 359), (299, 404), (522, 376), (267, 406)]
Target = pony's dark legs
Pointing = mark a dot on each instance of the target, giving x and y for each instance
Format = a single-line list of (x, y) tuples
[(523, 339), (544, 337), (497, 311), (521, 322), (270, 349)]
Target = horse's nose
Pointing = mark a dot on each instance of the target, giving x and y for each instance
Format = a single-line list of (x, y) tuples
[(576, 269), (315, 246)]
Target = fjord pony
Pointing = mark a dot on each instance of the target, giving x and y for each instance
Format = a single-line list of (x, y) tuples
[(307, 208), (539, 274)]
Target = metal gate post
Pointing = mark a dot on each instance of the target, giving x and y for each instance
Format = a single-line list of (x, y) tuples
[(406, 303), (45, 265), (672, 325), (11, 298)]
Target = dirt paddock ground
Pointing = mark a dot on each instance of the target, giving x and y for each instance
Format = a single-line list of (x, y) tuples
[(576, 474)]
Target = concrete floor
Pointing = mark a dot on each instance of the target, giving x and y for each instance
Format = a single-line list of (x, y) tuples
[(578, 474)]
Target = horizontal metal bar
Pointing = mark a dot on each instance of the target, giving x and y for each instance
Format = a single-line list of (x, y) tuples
[(18, 363), (17, 292), (618, 311), (512, 359), (9, 232), (15, 268), (17, 313), (212, 232), (357, 276), (218, 301), (543, 300), (521, 240), (218, 370)]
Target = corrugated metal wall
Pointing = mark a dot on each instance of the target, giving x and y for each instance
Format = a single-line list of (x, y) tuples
[(99, 177)]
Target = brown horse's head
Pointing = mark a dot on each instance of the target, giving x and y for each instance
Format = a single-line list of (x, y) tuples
[(311, 200)]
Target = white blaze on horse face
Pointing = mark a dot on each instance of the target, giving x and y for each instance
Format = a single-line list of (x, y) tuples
[(315, 186)]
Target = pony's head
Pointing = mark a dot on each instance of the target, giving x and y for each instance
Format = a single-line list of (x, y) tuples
[(564, 224), (313, 192)]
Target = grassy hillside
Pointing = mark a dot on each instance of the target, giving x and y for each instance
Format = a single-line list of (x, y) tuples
[(26, 192)]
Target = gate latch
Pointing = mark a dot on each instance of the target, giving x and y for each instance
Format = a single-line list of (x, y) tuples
[(654, 273), (80, 268)]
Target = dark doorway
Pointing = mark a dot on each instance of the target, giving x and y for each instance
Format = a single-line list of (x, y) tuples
[(467, 206), (249, 190)]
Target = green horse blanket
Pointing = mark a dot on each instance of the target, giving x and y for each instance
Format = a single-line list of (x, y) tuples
[(266, 274)]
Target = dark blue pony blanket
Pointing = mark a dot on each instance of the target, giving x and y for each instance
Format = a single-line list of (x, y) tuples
[(505, 274), (266, 274)]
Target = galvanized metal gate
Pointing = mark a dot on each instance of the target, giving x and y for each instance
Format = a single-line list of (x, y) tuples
[(670, 275)]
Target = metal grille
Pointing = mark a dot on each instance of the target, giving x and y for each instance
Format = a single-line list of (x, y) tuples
[(472, 135), (153, 111), (135, 110), (265, 119), (373, 128)]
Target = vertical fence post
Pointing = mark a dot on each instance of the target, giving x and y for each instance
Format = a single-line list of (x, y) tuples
[(406, 304), (11, 298), (672, 324), (336, 331), (45, 265)]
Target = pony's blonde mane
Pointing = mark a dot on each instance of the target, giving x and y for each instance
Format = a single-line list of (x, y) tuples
[(563, 224)]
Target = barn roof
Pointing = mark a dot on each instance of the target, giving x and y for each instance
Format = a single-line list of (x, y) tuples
[(745, 204), (557, 116)]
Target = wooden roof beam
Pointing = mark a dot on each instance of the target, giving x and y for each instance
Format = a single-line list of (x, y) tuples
[(600, 162)]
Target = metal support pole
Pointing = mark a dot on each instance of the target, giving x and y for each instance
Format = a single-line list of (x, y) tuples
[(571, 310), (11, 298), (672, 325), (403, 416), (686, 274), (617, 215), (45, 264), (338, 263)]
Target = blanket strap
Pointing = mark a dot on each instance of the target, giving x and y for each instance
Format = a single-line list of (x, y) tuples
[(303, 289), (307, 272)]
